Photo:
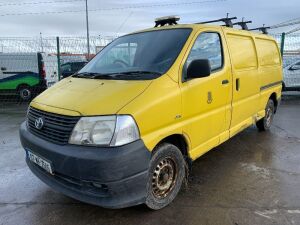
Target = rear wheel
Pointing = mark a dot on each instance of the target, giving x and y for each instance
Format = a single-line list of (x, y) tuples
[(166, 175), (266, 122), (25, 92)]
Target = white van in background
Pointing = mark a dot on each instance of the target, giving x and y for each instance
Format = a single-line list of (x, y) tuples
[(22, 74)]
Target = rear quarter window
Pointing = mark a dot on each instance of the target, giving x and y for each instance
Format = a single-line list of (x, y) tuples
[(267, 51), (242, 49)]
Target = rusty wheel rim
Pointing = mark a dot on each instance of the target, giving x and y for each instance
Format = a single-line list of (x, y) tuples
[(164, 178)]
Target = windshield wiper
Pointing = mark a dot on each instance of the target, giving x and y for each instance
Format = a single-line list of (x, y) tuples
[(84, 75), (103, 76), (140, 72), (90, 75), (109, 76), (129, 75)]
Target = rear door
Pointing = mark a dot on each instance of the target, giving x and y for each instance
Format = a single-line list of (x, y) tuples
[(206, 101)]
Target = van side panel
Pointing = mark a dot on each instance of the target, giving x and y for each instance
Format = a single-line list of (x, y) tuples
[(270, 69), (246, 87), (157, 111), (19, 62), (21, 69)]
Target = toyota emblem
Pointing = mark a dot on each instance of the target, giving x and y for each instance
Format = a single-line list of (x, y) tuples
[(39, 123)]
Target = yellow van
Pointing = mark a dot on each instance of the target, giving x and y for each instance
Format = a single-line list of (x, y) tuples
[(124, 129)]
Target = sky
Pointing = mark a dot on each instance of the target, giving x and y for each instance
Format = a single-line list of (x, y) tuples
[(117, 17)]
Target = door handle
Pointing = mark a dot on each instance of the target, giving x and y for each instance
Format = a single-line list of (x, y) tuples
[(225, 82), (237, 84)]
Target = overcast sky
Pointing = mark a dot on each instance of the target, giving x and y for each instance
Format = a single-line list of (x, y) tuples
[(112, 20)]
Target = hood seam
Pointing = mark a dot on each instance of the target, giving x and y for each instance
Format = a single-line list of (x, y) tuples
[(134, 97)]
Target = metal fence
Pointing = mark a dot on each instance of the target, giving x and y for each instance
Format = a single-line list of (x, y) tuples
[(57, 52), (22, 57), (49, 45), (290, 47)]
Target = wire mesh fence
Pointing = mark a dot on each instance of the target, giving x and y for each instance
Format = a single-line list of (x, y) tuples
[(291, 50), (49, 45), (30, 65)]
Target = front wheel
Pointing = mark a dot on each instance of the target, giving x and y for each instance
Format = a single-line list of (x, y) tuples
[(266, 122), (166, 175)]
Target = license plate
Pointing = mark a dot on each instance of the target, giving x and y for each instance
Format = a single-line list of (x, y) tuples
[(40, 162)]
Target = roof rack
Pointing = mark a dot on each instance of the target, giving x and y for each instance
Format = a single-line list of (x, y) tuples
[(227, 20), (243, 24), (263, 29), (166, 20)]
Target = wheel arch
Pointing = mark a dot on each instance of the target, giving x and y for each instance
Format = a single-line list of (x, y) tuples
[(22, 85), (181, 142)]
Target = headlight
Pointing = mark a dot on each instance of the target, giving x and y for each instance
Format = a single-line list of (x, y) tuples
[(126, 131), (105, 130)]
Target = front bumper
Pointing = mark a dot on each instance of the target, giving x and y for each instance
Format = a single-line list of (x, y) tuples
[(105, 176)]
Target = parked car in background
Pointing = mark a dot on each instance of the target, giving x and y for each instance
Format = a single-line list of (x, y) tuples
[(22, 74), (67, 62), (291, 77), (69, 68)]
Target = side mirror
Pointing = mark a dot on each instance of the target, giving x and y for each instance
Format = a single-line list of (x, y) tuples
[(3, 68), (198, 68)]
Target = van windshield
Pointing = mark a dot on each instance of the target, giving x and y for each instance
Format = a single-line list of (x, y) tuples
[(139, 56)]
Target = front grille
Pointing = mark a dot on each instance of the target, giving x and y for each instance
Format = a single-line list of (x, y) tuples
[(57, 128)]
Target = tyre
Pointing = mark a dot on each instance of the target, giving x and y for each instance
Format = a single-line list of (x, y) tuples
[(266, 122), (25, 93), (166, 175)]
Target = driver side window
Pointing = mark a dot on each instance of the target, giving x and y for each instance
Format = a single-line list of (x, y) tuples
[(207, 46)]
